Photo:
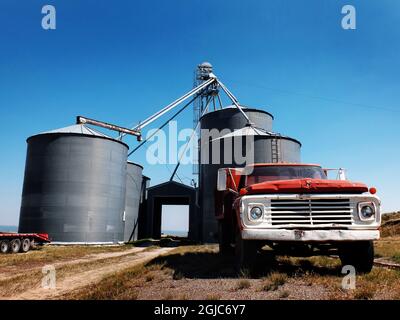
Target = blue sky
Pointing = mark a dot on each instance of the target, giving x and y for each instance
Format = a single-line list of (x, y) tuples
[(335, 90)]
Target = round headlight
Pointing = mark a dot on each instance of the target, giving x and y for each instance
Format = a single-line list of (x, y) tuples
[(256, 213), (367, 211)]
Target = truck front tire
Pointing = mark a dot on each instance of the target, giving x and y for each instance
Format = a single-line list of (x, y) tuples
[(359, 254), (245, 253)]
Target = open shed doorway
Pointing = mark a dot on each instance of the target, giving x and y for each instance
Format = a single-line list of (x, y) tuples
[(166, 194), (175, 220)]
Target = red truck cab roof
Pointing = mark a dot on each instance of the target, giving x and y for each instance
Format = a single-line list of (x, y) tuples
[(297, 178), (282, 164), (305, 185)]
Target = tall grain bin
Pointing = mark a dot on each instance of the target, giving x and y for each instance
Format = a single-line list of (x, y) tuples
[(74, 186), (134, 190), (263, 146), (143, 219), (231, 118)]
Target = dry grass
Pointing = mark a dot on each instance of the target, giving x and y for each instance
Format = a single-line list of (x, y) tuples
[(390, 225), (390, 216), (213, 297), (122, 285), (32, 279), (365, 292), (388, 248), (50, 254), (20, 283), (243, 284), (274, 281), (284, 294), (149, 277)]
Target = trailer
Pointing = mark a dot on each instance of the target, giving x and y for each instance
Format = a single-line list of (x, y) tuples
[(11, 242)]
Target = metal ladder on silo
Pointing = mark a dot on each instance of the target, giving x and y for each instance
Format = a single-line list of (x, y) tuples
[(275, 150)]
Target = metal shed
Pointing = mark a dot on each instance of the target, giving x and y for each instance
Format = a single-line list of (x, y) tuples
[(168, 193)]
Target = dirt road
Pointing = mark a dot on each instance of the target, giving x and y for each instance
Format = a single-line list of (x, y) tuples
[(91, 274)]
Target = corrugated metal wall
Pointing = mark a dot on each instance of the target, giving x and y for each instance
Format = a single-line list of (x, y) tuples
[(74, 188), (134, 185)]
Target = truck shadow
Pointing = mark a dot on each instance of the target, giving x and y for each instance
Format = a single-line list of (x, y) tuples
[(212, 265)]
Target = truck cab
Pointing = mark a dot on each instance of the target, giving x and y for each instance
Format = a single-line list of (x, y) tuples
[(296, 210)]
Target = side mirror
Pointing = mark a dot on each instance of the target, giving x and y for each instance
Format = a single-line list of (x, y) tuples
[(342, 174), (221, 180)]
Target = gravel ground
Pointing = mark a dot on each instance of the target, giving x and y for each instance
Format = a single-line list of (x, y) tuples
[(227, 289)]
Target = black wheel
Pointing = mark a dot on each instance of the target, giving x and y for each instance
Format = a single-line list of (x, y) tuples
[(359, 254), (225, 237), (4, 246), (26, 245), (15, 245), (245, 253)]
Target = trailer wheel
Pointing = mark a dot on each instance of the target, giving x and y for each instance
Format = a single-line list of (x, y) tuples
[(359, 254), (15, 245), (26, 245), (245, 253), (4, 246)]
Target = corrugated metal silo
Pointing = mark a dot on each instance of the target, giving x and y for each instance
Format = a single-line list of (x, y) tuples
[(134, 190), (74, 186), (231, 118), (143, 217), (265, 148)]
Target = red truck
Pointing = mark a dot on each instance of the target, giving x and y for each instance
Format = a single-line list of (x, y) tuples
[(296, 210), (11, 242)]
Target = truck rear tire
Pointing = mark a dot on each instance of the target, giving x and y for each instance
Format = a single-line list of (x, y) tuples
[(15, 245), (26, 245), (245, 253), (359, 254), (4, 246), (224, 237)]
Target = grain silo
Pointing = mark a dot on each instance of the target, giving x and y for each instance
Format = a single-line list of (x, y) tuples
[(134, 192), (263, 146), (74, 186)]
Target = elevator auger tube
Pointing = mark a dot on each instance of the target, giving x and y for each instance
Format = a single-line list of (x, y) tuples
[(190, 139), (172, 105), (234, 101), (162, 126), (84, 120)]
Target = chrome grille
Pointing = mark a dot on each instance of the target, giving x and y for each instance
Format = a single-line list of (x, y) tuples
[(311, 212)]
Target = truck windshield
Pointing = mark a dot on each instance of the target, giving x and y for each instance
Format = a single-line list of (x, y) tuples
[(273, 173)]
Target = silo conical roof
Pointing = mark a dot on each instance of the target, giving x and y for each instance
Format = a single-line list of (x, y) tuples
[(79, 129)]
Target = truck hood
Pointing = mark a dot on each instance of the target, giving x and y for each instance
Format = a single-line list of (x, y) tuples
[(305, 186)]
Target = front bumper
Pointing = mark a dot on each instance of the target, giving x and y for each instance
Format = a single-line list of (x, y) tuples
[(309, 235)]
